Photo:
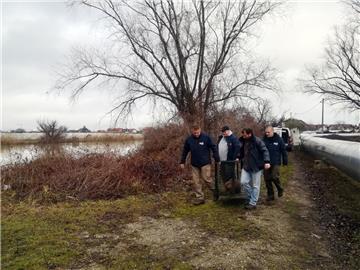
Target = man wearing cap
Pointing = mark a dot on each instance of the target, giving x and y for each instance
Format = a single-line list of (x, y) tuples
[(229, 148), (200, 146)]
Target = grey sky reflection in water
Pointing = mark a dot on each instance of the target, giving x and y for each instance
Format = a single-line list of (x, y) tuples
[(25, 153)]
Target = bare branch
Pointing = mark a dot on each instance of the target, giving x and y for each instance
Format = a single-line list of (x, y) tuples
[(339, 78)]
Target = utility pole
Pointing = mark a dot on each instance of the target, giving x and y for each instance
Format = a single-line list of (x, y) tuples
[(322, 116)]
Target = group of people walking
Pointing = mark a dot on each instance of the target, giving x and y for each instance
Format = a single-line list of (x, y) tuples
[(256, 156)]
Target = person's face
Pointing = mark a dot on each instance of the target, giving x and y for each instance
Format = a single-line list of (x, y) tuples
[(196, 132), (269, 132), (246, 136), (226, 133)]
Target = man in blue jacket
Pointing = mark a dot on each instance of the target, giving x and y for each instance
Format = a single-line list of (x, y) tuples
[(254, 157), (229, 148), (200, 146), (278, 155)]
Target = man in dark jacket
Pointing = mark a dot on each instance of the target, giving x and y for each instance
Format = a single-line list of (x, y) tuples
[(255, 157), (200, 146), (229, 148), (277, 150)]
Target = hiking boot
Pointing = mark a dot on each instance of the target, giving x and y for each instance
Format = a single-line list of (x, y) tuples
[(198, 201), (270, 198), (250, 207), (280, 193)]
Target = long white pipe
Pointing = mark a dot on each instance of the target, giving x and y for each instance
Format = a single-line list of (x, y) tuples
[(345, 155)]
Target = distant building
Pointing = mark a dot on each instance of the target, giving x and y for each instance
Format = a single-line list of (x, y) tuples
[(18, 130), (84, 130)]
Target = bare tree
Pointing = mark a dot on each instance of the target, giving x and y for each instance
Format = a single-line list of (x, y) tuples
[(354, 6), (339, 78), (189, 54), (262, 111), (278, 122), (52, 131)]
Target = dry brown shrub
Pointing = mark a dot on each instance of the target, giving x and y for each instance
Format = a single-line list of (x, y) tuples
[(152, 168)]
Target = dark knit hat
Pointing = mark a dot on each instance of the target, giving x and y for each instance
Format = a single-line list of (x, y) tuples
[(225, 128)]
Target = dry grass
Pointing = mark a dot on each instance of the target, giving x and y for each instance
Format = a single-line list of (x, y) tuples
[(10, 140)]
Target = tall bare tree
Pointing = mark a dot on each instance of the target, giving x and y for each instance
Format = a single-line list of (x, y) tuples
[(339, 78), (189, 54)]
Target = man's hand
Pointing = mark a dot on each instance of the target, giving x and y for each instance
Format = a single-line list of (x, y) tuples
[(267, 166), (182, 166)]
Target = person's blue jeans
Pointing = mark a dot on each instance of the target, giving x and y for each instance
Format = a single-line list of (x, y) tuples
[(251, 182)]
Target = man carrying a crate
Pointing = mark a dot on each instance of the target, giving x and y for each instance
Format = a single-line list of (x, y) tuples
[(229, 148), (255, 157), (200, 146)]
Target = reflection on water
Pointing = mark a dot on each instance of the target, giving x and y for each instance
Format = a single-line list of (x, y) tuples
[(23, 153)]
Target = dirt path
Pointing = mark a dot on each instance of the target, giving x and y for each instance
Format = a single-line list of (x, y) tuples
[(284, 235)]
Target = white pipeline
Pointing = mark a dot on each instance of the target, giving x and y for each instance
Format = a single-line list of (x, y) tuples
[(345, 155)]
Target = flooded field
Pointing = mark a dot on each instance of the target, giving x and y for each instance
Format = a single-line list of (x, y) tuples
[(34, 137), (21, 153)]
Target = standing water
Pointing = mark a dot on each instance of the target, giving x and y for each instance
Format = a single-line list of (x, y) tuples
[(11, 154)]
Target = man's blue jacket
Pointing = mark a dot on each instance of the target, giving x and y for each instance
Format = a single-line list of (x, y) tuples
[(277, 149), (200, 149)]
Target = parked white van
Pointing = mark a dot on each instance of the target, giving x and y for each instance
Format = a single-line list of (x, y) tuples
[(286, 134)]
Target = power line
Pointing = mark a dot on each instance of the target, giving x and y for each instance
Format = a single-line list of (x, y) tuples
[(309, 110)]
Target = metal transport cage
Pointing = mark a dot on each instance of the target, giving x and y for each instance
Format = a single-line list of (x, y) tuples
[(227, 181)]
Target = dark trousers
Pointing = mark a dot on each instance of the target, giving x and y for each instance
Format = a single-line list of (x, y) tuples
[(272, 175), (227, 171)]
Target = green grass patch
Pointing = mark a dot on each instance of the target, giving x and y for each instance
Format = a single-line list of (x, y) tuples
[(32, 241), (286, 173), (78, 234), (44, 237)]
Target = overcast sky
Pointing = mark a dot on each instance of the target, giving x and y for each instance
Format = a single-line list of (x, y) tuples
[(37, 35)]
